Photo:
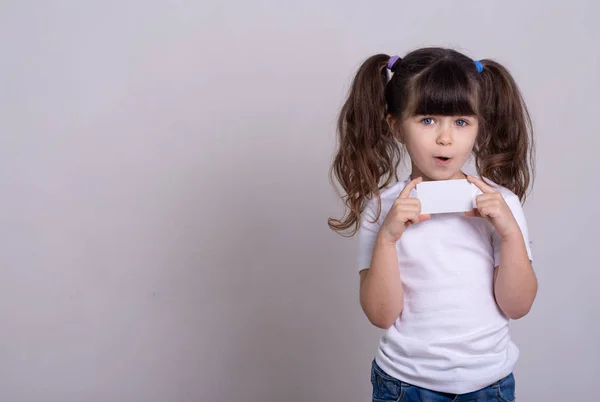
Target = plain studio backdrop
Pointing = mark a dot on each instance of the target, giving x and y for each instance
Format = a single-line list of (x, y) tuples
[(164, 194)]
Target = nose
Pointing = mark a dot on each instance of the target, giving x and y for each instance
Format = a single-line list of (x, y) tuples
[(444, 136)]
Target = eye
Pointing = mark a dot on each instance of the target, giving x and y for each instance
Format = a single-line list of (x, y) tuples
[(462, 122), (427, 121)]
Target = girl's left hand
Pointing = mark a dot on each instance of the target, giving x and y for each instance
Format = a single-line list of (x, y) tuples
[(491, 205)]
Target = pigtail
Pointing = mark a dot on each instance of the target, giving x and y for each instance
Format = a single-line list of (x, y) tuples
[(368, 155), (504, 147)]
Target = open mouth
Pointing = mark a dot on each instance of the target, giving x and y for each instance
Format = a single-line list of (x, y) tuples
[(442, 160)]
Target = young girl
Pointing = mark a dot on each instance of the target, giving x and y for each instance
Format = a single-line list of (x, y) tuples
[(444, 287)]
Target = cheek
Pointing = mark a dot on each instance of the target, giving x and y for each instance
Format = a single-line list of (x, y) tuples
[(416, 139), (466, 141), (416, 148)]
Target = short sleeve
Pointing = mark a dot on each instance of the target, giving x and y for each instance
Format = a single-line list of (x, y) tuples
[(367, 235), (516, 208)]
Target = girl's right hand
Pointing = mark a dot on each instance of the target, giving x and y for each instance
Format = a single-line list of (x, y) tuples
[(403, 213)]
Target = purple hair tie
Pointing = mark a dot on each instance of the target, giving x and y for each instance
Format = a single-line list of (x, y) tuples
[(392, 61)]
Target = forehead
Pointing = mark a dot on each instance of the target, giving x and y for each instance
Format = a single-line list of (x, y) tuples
[(442, 92)]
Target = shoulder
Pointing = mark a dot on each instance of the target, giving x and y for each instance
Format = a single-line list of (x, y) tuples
[(387, 196)]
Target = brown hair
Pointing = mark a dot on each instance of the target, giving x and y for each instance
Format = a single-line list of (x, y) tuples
[(428, 81)]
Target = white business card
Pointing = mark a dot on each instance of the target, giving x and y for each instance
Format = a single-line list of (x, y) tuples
[(445, 196)]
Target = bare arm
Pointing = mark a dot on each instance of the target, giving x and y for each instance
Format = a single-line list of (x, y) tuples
[(381, 294), (515, 283)]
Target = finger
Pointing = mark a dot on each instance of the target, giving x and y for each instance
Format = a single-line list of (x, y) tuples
[(409, 208), (473, 213), (408, 203), (481, 184), (487, 202), (488, 211), (412, 218), (424, 217), (486, 196), (489, 197), (409, 187)]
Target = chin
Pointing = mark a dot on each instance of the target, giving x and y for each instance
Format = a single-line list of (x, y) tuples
[(437, 176)]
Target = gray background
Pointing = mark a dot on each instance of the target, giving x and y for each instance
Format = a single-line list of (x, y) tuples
[(164, 194)]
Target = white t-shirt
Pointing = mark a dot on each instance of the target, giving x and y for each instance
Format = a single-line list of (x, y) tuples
[(451, 335)]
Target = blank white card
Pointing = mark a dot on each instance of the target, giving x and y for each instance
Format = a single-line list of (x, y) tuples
[(445, 196)]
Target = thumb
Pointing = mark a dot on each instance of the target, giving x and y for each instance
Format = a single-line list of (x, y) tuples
[(424, 217), (474, 213)]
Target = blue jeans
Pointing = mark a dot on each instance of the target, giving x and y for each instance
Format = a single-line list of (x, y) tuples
[(388, 389)]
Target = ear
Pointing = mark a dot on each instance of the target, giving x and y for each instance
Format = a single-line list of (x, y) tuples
[(395, 127)]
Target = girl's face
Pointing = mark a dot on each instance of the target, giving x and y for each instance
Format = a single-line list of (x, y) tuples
[(438, 146)]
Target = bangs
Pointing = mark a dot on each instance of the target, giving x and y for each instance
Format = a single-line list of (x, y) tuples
[(445, 89)]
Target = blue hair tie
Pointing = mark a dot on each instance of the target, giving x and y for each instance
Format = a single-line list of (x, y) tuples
[(479, 66)]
